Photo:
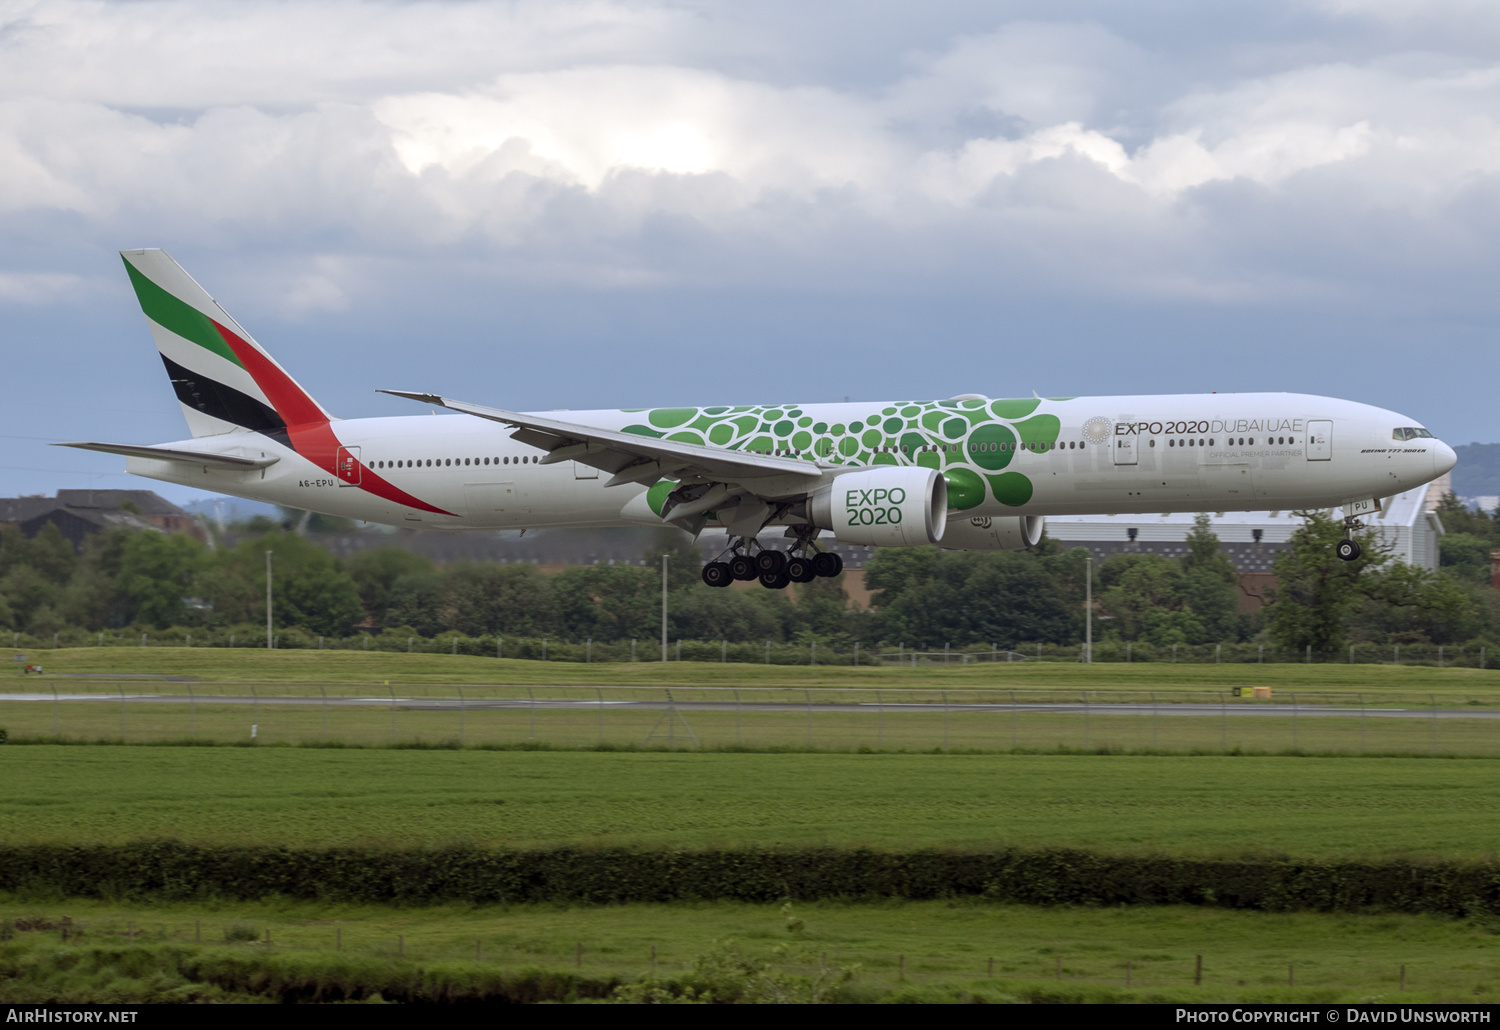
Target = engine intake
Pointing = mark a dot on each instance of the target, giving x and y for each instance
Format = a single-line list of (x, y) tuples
[(887, 507)]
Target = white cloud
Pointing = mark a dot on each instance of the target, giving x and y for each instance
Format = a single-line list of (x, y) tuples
[(580, 126), (38, 287), (182, 55), (626, 145), (1042, 74)]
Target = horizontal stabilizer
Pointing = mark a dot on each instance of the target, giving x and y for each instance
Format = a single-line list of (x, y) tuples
[(206, 458)]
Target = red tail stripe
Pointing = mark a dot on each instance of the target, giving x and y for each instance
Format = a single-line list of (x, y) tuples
[(291, 403), (307, 424), (316, 442)]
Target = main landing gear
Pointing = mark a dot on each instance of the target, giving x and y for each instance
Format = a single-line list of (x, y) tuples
[(1348, 548), (774, 569)]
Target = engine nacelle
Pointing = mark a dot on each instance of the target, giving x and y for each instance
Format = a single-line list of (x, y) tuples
[(883, 506), (1008, 533)]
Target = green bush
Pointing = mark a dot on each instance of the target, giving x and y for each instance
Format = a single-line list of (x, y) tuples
[(240, 930), (167, 974)]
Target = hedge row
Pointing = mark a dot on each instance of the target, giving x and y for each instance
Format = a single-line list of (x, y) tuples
[(156, 974), (173, 870)]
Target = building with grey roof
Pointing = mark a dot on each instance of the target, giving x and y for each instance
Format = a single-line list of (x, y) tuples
[(1252, 539), (78, 513)]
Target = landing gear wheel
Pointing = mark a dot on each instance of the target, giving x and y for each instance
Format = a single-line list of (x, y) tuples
[(800, 570), (717, 574), (770, 561), (742, 567), (775, 580), (1348, 550), (828, 564)]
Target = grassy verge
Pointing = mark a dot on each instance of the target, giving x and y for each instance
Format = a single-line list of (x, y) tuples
[(904, 721), (1184, 806), (913, 951), (411, 670)]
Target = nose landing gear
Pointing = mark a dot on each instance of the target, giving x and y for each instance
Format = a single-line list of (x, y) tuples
[(1349, 549)]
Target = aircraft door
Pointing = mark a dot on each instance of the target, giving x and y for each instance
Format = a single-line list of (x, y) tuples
[(1125, 451), (582, 471), (346, 466), (1319, 440), (493, 504)]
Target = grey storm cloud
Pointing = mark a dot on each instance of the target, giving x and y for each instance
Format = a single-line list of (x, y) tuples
[(689, 181)]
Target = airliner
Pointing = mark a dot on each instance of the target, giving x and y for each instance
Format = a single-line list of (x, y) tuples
[(970, 472)]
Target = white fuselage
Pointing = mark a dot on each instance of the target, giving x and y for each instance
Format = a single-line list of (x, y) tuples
[(1199, 452)]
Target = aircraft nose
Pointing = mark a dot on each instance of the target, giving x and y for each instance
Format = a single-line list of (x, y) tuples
[(1443, 458)]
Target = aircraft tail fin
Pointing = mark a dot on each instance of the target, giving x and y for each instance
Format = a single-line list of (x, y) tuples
[(224, 380)]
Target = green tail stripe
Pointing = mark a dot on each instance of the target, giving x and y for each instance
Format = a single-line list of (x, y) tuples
[(174, 315)]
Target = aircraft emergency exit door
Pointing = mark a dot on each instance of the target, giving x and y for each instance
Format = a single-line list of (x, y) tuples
[(346, 466), (1319, 440)]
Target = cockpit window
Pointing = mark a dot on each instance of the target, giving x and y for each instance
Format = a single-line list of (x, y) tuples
[(1410, 433)]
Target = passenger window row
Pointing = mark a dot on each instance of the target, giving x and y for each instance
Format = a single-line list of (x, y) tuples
[(980, 448), (1231, 442), (1404, 433), (444, 462)]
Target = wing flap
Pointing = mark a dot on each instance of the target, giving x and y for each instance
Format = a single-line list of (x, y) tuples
[(612, 451)]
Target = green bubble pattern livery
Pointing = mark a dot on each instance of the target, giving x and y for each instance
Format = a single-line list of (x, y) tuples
[(972, 442)]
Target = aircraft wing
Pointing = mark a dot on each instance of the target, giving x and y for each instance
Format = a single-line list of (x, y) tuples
[(220, 461), (630, 458)]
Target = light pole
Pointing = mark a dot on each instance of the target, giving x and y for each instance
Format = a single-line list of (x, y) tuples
[(1088, 610), (268, 601), (664, 608)]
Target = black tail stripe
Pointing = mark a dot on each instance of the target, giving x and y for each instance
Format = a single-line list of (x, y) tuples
[(201, 393)]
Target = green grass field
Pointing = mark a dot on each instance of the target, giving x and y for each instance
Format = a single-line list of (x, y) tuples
[(902, 709), (807, 724), (806, 785), (915, 951), (219, 665), (1187, 806)]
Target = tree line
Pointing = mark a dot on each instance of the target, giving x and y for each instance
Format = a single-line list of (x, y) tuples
[(923, 598)]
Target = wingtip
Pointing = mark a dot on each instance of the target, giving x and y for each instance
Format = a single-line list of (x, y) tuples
[(421, 398)]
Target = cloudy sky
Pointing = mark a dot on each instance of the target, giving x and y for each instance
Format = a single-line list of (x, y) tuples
[(571, 205)]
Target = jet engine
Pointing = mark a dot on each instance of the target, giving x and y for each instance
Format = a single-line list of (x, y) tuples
[(883, 506), (1008, 533)]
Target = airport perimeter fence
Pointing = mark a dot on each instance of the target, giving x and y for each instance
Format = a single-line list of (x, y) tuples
[(166, 710), (314, 956), (811, 652)]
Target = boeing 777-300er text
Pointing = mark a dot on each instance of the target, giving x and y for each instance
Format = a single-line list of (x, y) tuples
[(970, 472)]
